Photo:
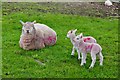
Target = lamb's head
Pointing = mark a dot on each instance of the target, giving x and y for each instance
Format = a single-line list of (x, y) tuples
[(71, 33), (78, 38), (28, 27)]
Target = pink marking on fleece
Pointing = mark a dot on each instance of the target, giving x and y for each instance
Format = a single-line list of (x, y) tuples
[(89, 47), (51, 39), (86, 39)]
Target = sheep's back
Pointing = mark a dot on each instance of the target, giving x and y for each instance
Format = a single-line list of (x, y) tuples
[(49, 34), (45, 29)]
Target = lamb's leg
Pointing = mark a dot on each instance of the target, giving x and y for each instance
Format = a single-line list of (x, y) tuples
[(101, 58), (83, 60), (78, 54), (93, 56), (73, 50)]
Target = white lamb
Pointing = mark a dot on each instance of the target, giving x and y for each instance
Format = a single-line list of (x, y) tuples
[(71, 35), (92, 48), (36, 36)]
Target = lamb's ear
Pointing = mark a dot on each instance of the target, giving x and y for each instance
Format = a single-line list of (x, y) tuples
[(22, 22), (81, 35), (75, 30), (34, 22)]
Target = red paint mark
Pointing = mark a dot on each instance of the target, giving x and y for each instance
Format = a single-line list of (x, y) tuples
[(86, 39), (89, 47), (51, 39)]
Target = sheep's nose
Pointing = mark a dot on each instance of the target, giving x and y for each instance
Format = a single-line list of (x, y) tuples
[(27, 31)]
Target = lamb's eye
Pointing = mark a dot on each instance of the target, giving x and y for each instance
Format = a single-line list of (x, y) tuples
[(77, 38)]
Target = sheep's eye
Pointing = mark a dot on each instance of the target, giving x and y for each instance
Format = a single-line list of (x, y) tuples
[(71, 31)]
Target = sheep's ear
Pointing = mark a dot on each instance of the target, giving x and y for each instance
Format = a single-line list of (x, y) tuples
[(22, 22), (81, 35), (34, 22), (75, 30)]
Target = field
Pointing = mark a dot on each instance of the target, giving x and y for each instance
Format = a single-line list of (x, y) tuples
[(56, 60)]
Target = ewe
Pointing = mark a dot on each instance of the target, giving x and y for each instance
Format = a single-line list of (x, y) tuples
[(71, 35), (84, 48), (36, 36)]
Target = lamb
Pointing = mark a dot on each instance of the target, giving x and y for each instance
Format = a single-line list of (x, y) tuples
[(92, 48), (71, 35), (36, 36)]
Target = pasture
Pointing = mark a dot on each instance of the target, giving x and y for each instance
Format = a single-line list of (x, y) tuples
[(56, 60)]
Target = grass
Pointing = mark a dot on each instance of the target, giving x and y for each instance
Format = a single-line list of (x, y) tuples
[(19, 63)]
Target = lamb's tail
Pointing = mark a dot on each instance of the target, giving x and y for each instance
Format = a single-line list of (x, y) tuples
[(95, 40), (100, 48)]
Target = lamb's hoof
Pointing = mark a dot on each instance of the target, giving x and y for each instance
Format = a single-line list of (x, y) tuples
[(90, 67), (72, 56), (79, 58), (81, 64), (101, 64), (84, 63)]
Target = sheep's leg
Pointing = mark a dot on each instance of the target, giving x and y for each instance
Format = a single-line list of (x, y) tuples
[(73, 50), (93, 56), (42, 45), (39, 42), (101, 58), (78, 54), (83, 60)]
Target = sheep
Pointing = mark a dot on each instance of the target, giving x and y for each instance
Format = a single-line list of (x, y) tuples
[(92, 48), (108, 3), (36, 36), (71, 35)]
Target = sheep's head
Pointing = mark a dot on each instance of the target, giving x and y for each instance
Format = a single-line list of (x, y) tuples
[(71, 33), (28, 27), (78, 38)]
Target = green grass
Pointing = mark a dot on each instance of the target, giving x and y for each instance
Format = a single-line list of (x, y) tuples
[(18, 63)]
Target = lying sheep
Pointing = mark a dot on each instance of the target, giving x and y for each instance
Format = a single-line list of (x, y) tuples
[(108, 3), (71, 35), (36, 36), (92, 48)]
